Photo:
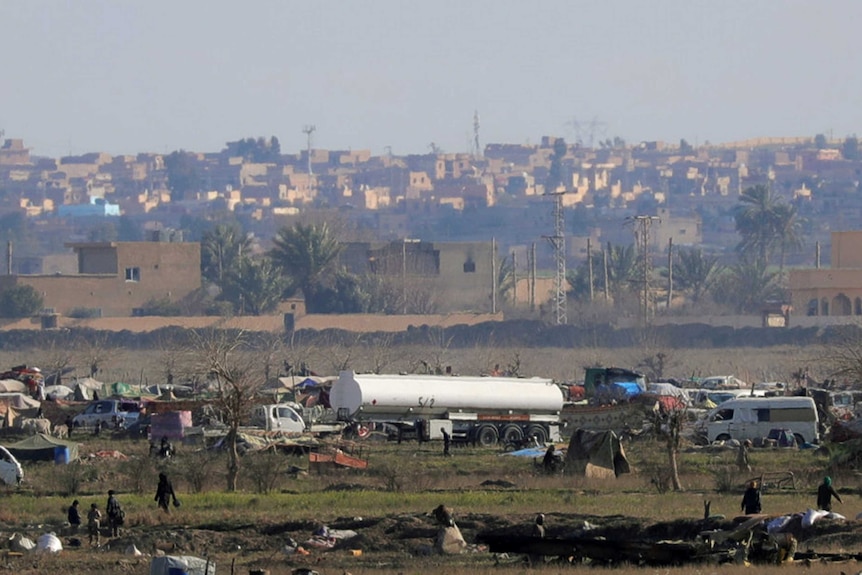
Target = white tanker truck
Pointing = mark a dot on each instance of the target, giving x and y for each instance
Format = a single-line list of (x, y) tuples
[(481, 410)]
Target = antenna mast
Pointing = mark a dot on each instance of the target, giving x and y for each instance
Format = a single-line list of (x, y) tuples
[(558, 241), (478, 151)]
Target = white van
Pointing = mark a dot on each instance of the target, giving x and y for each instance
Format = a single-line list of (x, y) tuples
[(753, 417)]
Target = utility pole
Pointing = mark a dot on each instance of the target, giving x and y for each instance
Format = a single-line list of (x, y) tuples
[(532, 282), (590, 267), (514, 282), (493, 275), (642, 226), (669, 272), (605, 264)]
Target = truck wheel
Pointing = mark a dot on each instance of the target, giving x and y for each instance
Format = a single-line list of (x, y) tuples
[(539, 433), (723, 437), (487, 436), (512, 434)]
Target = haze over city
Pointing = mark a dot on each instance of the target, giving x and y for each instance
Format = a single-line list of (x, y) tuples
[(160, 76)]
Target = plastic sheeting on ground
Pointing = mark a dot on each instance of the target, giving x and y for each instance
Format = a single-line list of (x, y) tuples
[(171, 564), (48, 543)]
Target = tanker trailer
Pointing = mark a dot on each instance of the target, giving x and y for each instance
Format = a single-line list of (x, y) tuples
[(479, 410)]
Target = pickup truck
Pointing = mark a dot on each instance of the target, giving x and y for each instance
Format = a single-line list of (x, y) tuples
[(288, 417), (109, 412)]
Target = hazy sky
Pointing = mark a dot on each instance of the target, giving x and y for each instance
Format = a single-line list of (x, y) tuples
[(160, 75)]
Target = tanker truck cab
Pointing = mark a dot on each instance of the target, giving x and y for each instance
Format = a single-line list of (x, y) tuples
[(277, 417), (754, 417)]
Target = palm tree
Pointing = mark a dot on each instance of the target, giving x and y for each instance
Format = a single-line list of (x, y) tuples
[(222, 251), (305, 252), (255, 287), (788, 228), (695, 272), (747, 285), (758, 217)]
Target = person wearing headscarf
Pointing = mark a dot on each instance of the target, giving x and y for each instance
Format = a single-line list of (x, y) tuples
[(825, 493), (165, 493), (751, 499)]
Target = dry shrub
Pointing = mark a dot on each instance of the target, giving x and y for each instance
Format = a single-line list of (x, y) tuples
[(70, 478), (726, 478), (266, 468), (196, 469), (138, 474)]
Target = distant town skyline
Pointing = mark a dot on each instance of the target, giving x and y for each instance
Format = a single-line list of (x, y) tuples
[(159, 76)]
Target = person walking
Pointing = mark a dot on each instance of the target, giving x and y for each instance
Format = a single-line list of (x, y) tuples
[(94, 525), (116, 515), (742, 458), (447, 441), (165, 493), (74, 517), (751, 499), (825, 493)]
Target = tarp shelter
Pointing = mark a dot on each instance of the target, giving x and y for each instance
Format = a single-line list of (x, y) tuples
[(14, 405), (596, 454), (12, 386), (85, 387), (41, 447), (181, 564)]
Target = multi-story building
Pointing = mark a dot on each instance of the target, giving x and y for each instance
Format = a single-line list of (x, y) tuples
[(116, 278)]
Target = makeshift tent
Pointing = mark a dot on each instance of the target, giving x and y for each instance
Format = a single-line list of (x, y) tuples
[(54, 392), (596, 454), (15, 405), (41, 447), (85, 387), (12, 386), (185, 564)]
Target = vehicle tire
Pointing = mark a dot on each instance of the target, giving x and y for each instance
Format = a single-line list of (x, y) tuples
[(487, 436), (723, 437), (512, 434), (539, 433)]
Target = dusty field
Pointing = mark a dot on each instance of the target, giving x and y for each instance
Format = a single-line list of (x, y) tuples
[(389, 505)]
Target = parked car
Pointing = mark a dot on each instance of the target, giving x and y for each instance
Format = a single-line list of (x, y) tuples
[(110, 412), (723, 382)]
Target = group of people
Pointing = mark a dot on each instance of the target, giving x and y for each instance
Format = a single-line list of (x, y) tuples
[(751, 504), (114, 512)]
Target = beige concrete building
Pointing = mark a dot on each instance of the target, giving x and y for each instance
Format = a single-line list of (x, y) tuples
[(457, 276), (116, 278), (836, 291)]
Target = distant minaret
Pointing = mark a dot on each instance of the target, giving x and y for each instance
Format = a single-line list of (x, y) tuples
[(308, 130), (478, 152)]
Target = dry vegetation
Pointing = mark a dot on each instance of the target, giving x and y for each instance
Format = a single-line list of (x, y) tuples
[(389, 504)]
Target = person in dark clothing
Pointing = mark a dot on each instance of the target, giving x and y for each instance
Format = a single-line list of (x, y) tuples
[(549, 461), (447, 441), (116, 516), (74, 517), (751, 499), (825, 493), (165, 493)]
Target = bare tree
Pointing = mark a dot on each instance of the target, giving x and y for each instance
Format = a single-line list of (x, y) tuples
[(669, 426), (236, 372), (93, 352), (57, 362), (843, 358)]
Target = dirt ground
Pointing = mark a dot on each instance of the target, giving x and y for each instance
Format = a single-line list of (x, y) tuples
[(383, 544)]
